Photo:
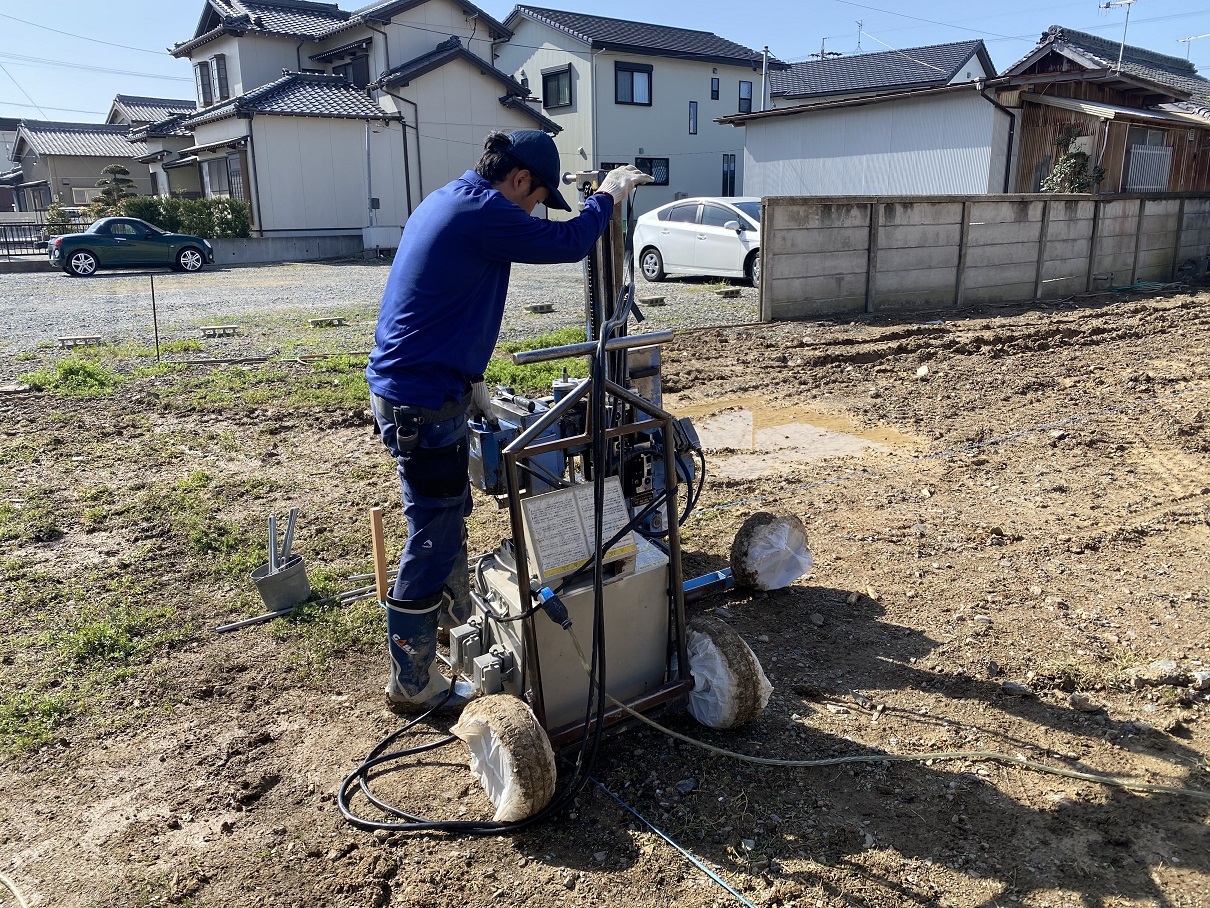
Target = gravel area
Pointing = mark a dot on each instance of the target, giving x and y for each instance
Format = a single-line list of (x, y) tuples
[(272, 305)]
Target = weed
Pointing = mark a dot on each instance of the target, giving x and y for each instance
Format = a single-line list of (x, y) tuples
[(114, 635), (185, 345), (32, 521), (323, 633), (74, 377), (537, 377), (28, 719)]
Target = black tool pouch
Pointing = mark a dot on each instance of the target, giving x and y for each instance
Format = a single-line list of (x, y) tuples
[(408, 420)]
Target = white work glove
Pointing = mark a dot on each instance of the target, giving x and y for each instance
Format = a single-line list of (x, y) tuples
[(481, 404), (621, 180)]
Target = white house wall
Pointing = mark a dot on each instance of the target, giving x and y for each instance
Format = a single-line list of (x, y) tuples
[(536, 47), (456, 108), (695, 162), (925, 146), (311, 173)]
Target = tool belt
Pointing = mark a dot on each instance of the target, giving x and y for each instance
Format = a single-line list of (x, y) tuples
[(409, 419)]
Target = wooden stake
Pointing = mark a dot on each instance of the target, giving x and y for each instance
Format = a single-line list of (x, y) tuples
[(380, 553)]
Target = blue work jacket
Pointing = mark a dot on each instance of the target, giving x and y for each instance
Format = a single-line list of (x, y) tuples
[(444, 299)]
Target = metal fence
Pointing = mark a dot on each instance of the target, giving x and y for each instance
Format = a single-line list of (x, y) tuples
[(1148, 168), (22, 239)]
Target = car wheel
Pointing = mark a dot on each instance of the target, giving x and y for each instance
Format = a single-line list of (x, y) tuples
[(82, 263), (753, 268), (652, 264), (189, 259)]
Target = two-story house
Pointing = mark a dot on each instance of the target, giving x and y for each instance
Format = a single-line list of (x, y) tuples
[(62, 162), (635, 93), (10, 176), (328, 121)]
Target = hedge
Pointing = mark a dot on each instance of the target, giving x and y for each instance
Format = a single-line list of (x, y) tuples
[(216, 218)]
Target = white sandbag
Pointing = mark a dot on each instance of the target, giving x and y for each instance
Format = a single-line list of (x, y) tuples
[(510, 755), (729, 686), (770, 552)]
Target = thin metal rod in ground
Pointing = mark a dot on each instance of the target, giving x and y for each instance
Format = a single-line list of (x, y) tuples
[(344, 599)]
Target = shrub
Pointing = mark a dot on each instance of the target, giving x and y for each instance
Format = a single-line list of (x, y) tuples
[(217, 218)]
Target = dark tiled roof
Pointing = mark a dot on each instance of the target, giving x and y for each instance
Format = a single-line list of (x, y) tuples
[(1096, 52), (9, 124), (641, 37), (341, 49), (11, 177), (512, 102), (84, 139), (383, 10), (290, 18), (300, 95), (172, 125), (935, 64), (151, 110)]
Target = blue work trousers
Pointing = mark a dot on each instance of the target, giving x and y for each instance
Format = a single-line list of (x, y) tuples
[(436, 498)]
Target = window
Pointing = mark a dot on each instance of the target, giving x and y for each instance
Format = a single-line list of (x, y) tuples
[(556, 87), (85, 196), (356, 70), (683, 214), (214, 177), (728, 176), (745, 97), (693, 118), (155, 183), (122, 228), (235, 176), (717, 215), (714, 89), (632, 83), (657, 167), (201, 75), (218, 78)]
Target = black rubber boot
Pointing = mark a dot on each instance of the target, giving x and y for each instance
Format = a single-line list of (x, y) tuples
[(416, 684)]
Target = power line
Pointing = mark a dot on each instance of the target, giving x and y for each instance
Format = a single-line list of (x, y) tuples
[(92, 40), (67, 109), (23, 91), (40, 61)]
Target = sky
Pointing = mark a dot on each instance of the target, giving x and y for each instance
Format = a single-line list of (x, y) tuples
[(67, 60)]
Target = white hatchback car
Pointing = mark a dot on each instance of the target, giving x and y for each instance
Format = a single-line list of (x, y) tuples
[(714, 236)]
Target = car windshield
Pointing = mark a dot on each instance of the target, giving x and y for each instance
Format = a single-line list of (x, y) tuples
[(751, 209)]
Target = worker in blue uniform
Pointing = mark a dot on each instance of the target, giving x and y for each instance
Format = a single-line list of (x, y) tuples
[(439, 322)]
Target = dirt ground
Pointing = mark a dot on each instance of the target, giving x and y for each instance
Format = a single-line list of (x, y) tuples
[(1006, 567)]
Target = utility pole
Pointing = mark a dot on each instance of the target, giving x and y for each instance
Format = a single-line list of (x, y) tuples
[(1110, 4), (1190, 40)]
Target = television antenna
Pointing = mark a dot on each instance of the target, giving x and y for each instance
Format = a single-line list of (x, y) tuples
[(860, 24), (1111, 4), (1190, 40), (824, 53)]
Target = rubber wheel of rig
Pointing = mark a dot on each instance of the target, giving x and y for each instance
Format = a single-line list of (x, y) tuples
[(730, 688), (508, 728)]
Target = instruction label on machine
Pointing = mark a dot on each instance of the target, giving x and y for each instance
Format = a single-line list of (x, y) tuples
[(560, 532)]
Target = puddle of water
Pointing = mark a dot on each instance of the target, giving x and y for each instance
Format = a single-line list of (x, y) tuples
[(769, 439)]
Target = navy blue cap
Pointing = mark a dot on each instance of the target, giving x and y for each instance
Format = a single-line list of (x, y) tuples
[(536, 150)]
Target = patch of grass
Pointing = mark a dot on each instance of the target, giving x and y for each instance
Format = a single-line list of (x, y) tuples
[(29, 719), (185, 345), (34, 520), (74, 377), (323, 633), (538, 377), (116, 635)]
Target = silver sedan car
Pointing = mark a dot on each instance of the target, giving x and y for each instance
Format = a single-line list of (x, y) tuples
[(711, 236)]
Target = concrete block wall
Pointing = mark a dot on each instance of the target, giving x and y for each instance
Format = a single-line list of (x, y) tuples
[(268, 249), (838, 255)]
